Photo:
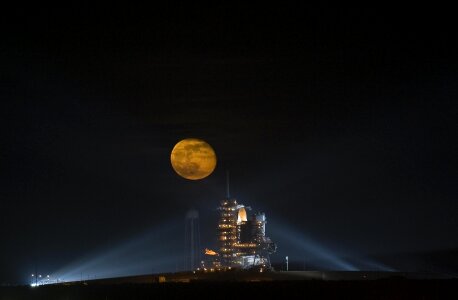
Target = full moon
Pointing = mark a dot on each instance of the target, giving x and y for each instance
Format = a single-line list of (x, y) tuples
[(193, 159)]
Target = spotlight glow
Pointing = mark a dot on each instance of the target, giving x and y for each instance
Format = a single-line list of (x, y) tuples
[(317, 254), (320, 256), (156, 250)]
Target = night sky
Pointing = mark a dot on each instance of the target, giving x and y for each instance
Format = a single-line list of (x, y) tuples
[(340, 124)]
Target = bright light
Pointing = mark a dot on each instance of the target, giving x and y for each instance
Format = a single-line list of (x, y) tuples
[(33, 285), (211, 252)]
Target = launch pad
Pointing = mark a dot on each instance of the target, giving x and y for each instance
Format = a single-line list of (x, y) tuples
[(242, 239), (240, 275)]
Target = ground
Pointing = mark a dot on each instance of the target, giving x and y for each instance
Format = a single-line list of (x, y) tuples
[(395, 288)]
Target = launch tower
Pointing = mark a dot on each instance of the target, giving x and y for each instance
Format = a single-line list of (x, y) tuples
[(242, 241)]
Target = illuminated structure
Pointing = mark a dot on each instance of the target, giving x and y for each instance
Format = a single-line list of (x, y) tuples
[(242, 242)]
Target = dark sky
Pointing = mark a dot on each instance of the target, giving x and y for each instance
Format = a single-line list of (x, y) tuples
[(339, 123)]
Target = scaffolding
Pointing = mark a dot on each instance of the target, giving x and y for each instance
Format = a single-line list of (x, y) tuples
[(242, 241)]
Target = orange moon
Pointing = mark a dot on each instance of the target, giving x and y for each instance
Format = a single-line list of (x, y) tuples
[(193, 159)]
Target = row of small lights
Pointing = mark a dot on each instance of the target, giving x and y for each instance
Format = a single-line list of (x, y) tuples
[(229, 268), (211, 269), (33, 284), (39, 276)]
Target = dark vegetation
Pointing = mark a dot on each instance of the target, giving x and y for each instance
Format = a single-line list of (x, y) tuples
[(394, 288)]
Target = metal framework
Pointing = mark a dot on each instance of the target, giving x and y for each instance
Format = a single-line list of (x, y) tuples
[(242, 241)]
